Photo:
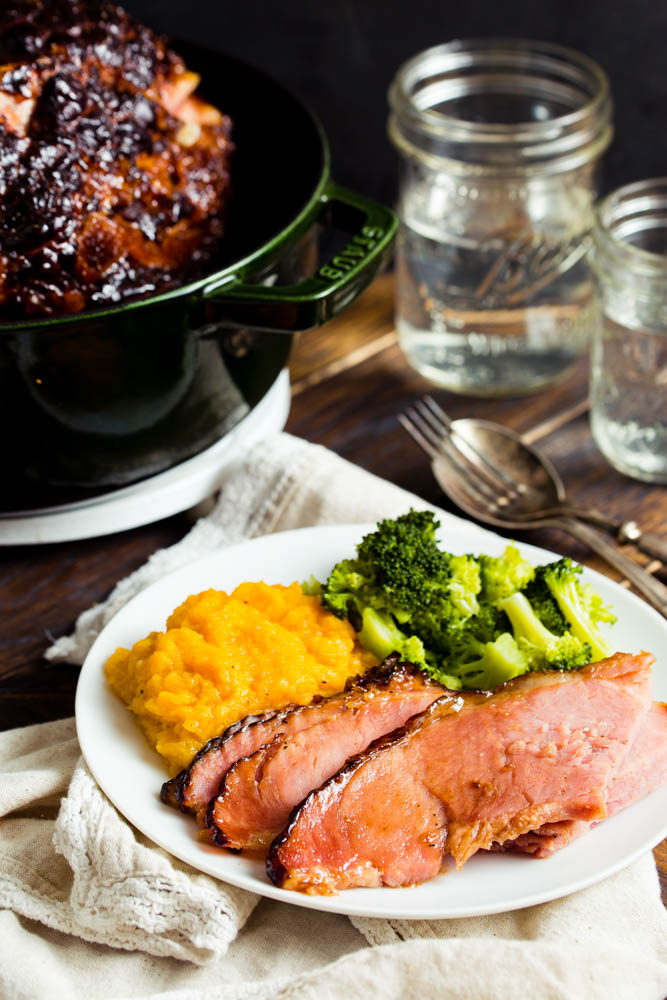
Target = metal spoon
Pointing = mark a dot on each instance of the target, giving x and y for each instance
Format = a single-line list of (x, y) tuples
[(491, 474)]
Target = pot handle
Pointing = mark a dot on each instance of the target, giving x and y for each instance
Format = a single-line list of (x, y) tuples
[(288, 308)]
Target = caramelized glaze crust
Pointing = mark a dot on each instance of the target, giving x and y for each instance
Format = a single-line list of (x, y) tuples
[(113, 174)]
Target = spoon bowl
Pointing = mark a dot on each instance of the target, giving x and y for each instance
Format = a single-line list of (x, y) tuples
[(533, 486)]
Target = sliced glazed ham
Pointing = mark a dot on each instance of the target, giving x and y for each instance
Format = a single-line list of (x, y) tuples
[(475, 768), (642, 770), (259, 791), (194, 787)]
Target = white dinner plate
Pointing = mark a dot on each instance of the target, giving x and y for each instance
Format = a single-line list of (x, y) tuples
[(130, 773)]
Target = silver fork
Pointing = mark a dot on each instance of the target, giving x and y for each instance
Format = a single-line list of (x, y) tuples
[(491, 474)]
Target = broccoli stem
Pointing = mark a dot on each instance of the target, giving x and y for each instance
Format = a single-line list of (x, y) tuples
[(380, 635), (566, 594), (524, 621), (543, 649), (377, 633)]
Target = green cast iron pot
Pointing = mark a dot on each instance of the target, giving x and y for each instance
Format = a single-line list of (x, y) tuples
[(101, 399)]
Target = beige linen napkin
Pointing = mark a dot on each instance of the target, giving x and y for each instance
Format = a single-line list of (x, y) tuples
[(91, 908)]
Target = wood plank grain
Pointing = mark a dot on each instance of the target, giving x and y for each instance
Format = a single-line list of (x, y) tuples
[(44, 589), (370, 318)]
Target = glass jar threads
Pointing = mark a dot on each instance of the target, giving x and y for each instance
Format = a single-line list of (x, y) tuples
[(629, 356), (499, 141)]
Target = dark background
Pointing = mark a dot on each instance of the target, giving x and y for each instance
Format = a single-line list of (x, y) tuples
[(340, 58)]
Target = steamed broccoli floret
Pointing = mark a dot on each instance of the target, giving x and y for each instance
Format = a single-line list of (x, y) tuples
[(544, 605), (470, 622), (451, 608), (464, 584), (380, 634), (404, 562), (496, 663), (487, 624), (581, 607), (465, 642), (543, 649), (504, 575), (401, 571), (549, 625), (482, 652), (345, 589)]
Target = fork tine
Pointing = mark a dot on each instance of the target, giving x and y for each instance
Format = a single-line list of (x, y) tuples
[(438, 411), (443, 453), (438, 447), (493, 486), (497, 476), (414, 432)]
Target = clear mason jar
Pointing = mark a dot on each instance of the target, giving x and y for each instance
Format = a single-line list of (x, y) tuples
[(629, 356), (499, 142)]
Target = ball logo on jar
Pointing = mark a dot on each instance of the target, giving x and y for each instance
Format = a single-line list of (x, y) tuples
[(525, 265)]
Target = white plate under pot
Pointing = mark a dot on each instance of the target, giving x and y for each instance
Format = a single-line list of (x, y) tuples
[(176, 489)]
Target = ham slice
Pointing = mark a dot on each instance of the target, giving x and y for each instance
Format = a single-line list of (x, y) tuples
[(194, 787), (473, 769), (642, 770), (259, 791)]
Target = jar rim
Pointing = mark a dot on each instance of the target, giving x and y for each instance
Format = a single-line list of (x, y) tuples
[(584, 131), (639, 200)]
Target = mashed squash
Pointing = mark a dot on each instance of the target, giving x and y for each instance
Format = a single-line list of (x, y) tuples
[(225, 656)]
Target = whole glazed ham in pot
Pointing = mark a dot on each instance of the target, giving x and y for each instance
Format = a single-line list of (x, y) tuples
[(114, 174), (147, 302)]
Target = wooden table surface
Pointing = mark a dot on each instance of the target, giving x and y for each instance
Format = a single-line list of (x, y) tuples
[(349, 382)]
